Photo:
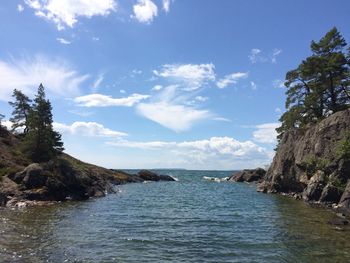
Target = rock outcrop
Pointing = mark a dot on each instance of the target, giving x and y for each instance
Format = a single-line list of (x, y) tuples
[(64, 178), (307, 163), (248, 175)]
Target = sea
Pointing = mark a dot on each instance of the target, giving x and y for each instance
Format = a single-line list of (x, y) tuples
[(199, 218)]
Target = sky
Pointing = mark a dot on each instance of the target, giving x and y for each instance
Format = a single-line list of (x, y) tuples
[(194, 84)]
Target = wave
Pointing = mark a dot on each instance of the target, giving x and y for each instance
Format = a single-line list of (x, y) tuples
[(215, 179)]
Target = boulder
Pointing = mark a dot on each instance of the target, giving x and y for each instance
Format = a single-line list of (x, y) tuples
[(330, 194), (147, 175), (345, 198), (32, 176), (248, 175), (315, 187)]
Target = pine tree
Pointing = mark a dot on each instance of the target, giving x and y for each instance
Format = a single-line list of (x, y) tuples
[(319, 86), (42, 143), (20, 112)]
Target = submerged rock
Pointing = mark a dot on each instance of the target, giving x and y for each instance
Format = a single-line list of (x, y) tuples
[(248, 175)]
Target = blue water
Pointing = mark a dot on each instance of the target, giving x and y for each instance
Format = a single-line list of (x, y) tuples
[(192, 220)]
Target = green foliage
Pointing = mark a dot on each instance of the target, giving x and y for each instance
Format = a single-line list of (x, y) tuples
[(343, 149), (319, 86), (41, 142), (21, 108), (336, 182), (311, 164)]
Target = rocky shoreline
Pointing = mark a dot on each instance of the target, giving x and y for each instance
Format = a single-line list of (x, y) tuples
[(36, 185), (310, 166)]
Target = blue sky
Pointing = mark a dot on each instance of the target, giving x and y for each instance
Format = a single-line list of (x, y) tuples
[(162, 83)]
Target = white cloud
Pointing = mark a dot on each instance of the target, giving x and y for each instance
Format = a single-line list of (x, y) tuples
[(63, 41), (175, 117), (223, 152), (193, 76), (277, 83), (157, 87), (57, 76), (97, 82), (95, 38), (201, 98), (231, 79), (122, 91), (66, 12), (253, 85), (256, 55), (100, 100), (171, 109), (166, 5), (266, 133), (145, 11), (278, 110), (276, 52), (90, 129), (20, 8)]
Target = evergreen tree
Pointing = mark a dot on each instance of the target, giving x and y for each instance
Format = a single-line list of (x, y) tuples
[(320, 84), (42, 143), (20, 112)]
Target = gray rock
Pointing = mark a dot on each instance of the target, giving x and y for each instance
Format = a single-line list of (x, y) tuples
[(248, 175), (330, 194), (345, 198), (289, 172), (32, 176), (315, 186)]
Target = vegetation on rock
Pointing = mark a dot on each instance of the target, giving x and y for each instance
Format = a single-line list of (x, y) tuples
[(319, 86), (40, 143)]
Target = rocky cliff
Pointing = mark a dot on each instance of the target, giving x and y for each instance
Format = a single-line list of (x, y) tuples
[(309, 164), (64, 178)]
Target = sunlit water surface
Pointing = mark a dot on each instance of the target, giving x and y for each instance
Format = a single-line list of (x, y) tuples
[(192, 220)]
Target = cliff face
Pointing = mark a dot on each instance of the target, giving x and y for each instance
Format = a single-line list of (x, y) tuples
[(308, 164)]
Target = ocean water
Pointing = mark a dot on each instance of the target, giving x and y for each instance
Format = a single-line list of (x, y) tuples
[(192, 220)]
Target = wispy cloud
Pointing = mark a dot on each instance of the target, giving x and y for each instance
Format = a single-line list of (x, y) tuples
[(266, 133), (66, 13), (63, 41), (100, 100), (20, 8), (256, 55), (231, 79), (253, 85), (191, 76), (276, 52), (166, 5), (97, 82), (175, 117), (89, 129), (278, 83), (172, 108), (57, 76), (145, 11)]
